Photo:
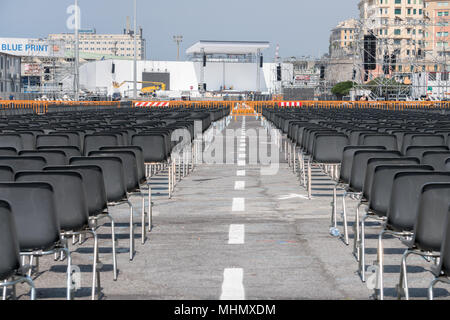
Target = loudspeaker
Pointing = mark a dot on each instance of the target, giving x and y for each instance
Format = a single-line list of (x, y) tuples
[(386, 61), (370, 52), (261, 61), (393, 61), (322, 72), (354, 74), (113, 68), (279, 78), (204, 60), (204, 86)]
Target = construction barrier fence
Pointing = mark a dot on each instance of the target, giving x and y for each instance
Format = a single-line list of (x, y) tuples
[(238, 108)]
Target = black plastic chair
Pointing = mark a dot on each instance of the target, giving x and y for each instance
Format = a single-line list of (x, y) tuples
[(8, 151), (37, 222), (343, 183), (11, 272), (131, 179), (403, 206), (71, 207), (116, 189), (97, 203), (23, 163), (378, 205), (436, 159), (93, 142), (441, 272), (6, 174), (11, 140), (429, 228), (70, 151), (52, 157), (52, 140)]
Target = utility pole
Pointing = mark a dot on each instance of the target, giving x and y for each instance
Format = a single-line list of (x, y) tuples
[(135, 53), (178, 40), (77, 54)]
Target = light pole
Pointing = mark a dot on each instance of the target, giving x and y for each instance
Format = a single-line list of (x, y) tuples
[(178, 40), (77, 54), (135, 53)]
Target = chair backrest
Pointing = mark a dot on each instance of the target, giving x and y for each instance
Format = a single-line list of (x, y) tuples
[(8, 151), (383, 179), (93, 142), (436, 159), (431, 216), (6, 174), (387, 140), (70, 199), (359, 166), (37, 223), (112, 167), (404, 200), (129, 166), (52, 157), (70, 151), (139, 159), (11, 140), (347, 160), (94, 186), (9, 243), (414, 139), (153, 146), (417, 151), (21, 163), (329, 148), (52, 140), (372, 163)]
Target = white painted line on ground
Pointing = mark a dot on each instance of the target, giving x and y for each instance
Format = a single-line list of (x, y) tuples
[(239, 185), (240, 173), (243, 145), (241, 149), (238, 205), (233, 286), (241, 163), (236, 235), (242, 156)]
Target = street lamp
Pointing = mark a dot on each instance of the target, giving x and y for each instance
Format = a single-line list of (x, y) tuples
[(178, 40), (135, 53)]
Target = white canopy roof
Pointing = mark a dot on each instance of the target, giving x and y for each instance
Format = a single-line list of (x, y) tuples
[(228, 47)]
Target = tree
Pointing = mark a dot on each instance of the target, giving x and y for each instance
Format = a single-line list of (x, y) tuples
[(342, 88)]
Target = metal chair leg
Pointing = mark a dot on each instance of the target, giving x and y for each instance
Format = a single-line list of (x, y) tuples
[(143, 229), (131, 231), (380, 253), (94, 265), (344, 210), (431, 287), (69, 272), (113, 242), (362, 250), (403, 282)]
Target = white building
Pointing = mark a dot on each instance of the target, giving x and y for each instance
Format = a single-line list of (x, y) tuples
[(95, 46)]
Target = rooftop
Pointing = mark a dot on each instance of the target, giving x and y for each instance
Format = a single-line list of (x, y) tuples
[(227, 47)]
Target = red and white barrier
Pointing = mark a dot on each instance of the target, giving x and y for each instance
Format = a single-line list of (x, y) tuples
[(290, 104), (152, 104)]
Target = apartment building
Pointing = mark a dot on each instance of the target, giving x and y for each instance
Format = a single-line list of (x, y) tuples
[(342, 38), (95, 46), (437, 33), (399, 28), (9, 73)]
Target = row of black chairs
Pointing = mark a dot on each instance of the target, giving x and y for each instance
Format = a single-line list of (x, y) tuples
[(395, 164), (64, 186)]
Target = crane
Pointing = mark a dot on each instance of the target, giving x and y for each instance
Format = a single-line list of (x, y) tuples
[(145, 90)]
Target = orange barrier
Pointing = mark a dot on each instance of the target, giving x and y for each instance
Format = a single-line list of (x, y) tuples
[(242, 107)]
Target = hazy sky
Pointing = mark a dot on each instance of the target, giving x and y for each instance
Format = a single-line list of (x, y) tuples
[(300, 27)]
